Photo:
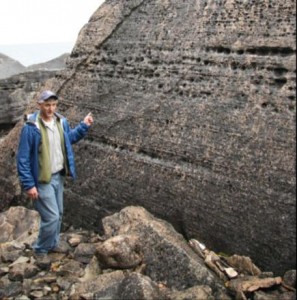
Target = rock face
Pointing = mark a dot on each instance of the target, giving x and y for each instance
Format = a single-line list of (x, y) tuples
[(194, 105), (16, 92)]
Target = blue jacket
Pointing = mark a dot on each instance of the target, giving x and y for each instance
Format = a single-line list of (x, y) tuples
[(27, 155)]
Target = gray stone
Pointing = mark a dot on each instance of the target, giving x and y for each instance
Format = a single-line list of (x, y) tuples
[(22, 297), (92, 270), (120, 252), (71, 268), (43, 261), (37, 294), (65, 283), (137, 286), (290, 278), (274, 295), (18, 272), (75, 239), (9, 256), (10, 290), (105, 284), (4, 271), (27, 285), (84, 252), (194, 293)]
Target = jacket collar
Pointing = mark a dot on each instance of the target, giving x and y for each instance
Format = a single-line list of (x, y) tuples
[(32, 118)]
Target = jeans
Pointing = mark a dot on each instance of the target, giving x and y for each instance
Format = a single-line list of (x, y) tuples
[(50, 208)]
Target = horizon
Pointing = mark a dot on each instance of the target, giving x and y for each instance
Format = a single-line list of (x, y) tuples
[(36, 53)]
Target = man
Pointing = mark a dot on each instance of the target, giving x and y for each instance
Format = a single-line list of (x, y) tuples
[(44, 158)]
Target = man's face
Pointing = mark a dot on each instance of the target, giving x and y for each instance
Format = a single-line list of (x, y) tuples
[(48, 108)]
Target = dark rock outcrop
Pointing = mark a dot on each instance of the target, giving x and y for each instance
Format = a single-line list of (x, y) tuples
[(194, 105), (16, 92)]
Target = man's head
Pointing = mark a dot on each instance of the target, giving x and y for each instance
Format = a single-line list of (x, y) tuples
[(47, 103)]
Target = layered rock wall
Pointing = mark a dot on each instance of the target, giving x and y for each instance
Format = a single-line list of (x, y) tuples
[(16, 92), (194, 105)]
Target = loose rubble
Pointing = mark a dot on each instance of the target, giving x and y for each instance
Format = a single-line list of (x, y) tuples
[(139, 257)]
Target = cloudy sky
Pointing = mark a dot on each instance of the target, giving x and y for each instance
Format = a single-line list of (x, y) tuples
[(43, 21)]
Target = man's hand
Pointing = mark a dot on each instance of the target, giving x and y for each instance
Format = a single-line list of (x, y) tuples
[(33, 193), (88, 120)]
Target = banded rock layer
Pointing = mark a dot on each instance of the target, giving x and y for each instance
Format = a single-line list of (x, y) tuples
[(194, 105)]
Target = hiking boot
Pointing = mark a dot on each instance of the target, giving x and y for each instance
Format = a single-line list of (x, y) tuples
[(43, 261), (63, 247)]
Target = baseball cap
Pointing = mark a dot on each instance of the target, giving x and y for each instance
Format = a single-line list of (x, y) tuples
[(45, 95)]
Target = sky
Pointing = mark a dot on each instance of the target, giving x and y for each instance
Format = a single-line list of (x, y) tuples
[(29, 24)]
